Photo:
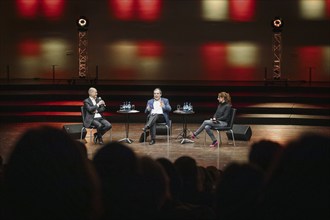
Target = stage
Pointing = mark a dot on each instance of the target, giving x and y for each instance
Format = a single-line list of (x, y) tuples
[(204, 156)]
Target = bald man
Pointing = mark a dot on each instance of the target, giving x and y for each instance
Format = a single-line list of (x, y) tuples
[(94, 107)]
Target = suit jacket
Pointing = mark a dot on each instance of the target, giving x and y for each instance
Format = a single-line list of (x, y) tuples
[(90, 109), (166, 108)]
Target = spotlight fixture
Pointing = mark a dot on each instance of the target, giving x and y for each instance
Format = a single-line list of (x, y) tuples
[(82, 23), (277, 24)]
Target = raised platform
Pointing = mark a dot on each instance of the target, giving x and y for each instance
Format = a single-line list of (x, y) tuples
[(292, 104)]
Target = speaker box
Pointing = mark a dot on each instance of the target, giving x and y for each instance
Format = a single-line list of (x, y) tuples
[(74, 130), (241, 132)]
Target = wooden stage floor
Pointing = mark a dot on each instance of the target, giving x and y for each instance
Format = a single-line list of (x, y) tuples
[(202, 153)]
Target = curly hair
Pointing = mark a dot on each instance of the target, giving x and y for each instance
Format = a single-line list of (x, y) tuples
[(226, 96)]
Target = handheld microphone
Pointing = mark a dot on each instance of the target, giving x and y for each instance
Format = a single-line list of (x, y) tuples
[(99, 99)]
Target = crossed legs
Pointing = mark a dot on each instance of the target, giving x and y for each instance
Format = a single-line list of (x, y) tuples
[(208, 125)]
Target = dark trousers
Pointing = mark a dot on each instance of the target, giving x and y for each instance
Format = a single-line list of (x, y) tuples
[(102, 126), (151, 123)]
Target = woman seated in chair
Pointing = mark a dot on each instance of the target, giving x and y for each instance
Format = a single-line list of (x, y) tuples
[(221, 118)]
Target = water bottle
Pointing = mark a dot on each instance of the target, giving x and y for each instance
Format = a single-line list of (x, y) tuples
[(185, 106), (129, 106)]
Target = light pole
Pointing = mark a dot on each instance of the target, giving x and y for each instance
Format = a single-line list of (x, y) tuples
[(277, 25), (82, 24)]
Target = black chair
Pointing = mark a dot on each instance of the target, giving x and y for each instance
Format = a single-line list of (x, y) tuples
[(229, 128), (162, 129), (91, 128)]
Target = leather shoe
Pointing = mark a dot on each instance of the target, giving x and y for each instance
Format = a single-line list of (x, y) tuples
[(152, 142), (95, 138), (101, 141)]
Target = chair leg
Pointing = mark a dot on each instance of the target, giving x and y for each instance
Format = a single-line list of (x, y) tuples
[(168, 134), (145, 137), (232, 134), (91, 135), (81, 132), (219, 138)]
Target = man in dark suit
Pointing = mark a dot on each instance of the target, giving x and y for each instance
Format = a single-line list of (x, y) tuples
[(158, 110), (94, 107)]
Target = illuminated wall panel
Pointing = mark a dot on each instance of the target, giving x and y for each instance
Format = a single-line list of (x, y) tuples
[(122, 9), (31, 9), (232, 10), (150, 49), (242, 10), (314, 58), (215, 10), (143, 10), (37, 56), (29, 48), (27, 8), (314, 9), (229, 61), (53, 9), (149, 10), (213, 57), (132, 60)]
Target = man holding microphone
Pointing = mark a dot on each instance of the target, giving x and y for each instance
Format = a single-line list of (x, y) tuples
[(94, 107)]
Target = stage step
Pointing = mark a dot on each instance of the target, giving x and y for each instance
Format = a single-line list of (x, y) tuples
[(255, 104)]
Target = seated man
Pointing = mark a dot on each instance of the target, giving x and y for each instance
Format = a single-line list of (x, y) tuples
[(95, 107), (158, 111)]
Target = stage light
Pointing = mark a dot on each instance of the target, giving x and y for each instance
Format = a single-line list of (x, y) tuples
[(82, 23), (277, 24)]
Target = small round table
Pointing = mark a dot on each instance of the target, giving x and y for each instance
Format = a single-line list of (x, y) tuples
[(127, 112), (184, 125)]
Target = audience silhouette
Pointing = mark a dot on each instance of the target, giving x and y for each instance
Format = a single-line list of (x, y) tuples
[(263, 153), (238, 191), (49, 176), (298, 186), (117, 167)]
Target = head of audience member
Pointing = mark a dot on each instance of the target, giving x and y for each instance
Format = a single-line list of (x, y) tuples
[(263, 153), (116, 164), (82, 148), (187, 169), (238, 191), (175, 180), (215, 175), (298, 184), (48, 178), (155, 189), (191, 191), (206, 181)]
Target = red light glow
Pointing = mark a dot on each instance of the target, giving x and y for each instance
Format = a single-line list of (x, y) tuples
[(29, 48), (122, 9), (327, 8), (145, 10), (53, 9), (242, 10), (27, 8), (149, 10), (213, 58), (309, 57), (150, 49)]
